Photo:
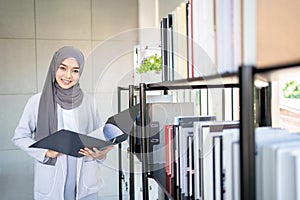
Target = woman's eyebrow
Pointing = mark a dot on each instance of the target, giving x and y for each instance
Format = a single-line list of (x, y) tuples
[(64, 64), (69, 66)]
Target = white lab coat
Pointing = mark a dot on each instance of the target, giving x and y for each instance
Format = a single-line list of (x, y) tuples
[(49, 180)]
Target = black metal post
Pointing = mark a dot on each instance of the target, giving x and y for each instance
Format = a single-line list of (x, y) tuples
[(223, 104), (232, 107), (131, 149), (144, 152), (247, 136), (121, 176)]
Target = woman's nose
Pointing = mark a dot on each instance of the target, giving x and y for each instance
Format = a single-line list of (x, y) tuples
[(69, 73)]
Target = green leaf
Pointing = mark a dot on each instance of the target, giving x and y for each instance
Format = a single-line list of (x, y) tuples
[(291, 90), (151, 63)]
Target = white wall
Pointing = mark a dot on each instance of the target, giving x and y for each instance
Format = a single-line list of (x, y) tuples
[(30, 32)]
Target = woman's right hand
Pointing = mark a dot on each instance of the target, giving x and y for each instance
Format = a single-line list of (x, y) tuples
[(52, 154)]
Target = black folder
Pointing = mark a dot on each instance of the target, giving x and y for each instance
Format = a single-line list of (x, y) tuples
[(116, 130), (69, 142)]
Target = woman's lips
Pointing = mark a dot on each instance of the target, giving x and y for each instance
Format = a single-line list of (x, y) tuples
[(66, 82)]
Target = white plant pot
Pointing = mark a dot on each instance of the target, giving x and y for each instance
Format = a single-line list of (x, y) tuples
[(148, 77)]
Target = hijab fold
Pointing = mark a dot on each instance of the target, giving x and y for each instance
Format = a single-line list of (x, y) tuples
[(53, 94)]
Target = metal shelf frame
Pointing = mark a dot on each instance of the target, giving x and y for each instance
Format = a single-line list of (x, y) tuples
[(214, 81)]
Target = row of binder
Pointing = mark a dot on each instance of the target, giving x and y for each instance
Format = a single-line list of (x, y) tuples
[(201, 38), (203, 160)]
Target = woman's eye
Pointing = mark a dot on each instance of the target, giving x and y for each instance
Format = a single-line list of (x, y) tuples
[(62, 68), (76, 71)]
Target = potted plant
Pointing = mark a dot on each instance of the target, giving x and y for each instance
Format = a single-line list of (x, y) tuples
[(151, 63), (149, 69)]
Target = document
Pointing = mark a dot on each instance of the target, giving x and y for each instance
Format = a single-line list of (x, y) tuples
[(118, 127)]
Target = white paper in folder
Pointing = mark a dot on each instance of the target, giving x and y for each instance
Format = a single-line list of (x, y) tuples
[(285, 173), (265, 135), (231, 164), (209, 151), (186, 129), (269, 167), (296, 162)]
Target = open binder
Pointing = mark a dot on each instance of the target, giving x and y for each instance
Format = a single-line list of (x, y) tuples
[(116, 130), (69, 142)]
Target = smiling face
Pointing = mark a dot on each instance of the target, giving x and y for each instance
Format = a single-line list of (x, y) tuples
[(67, 74)]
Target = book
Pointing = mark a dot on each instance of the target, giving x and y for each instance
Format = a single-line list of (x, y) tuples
[(169, 149), (184, 126), (164, 48), (169, 159)]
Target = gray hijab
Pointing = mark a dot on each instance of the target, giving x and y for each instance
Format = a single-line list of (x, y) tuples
[(53, 94)]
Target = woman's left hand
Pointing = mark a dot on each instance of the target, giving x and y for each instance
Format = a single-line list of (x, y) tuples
[(95, 153)]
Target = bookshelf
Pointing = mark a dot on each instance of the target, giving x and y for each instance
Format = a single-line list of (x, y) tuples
[(227, 80), (244, 79), (254, 39)]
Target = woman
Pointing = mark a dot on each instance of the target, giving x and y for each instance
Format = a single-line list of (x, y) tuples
[(62, 105)]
